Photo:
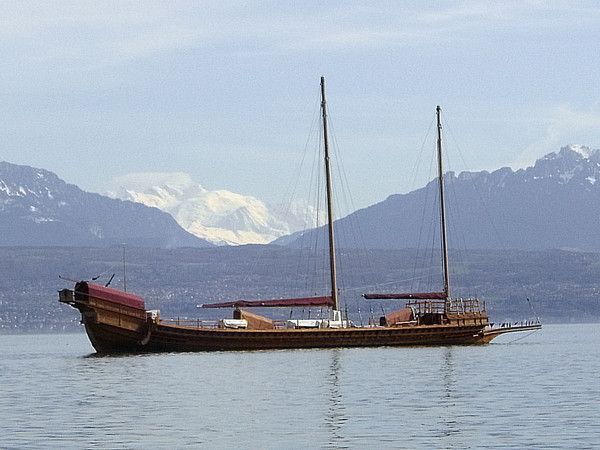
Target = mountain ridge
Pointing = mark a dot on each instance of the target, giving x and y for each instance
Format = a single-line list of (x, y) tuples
[(37, 208), (553, 204)]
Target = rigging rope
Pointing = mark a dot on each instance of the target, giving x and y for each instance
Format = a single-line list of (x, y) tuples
[(377, 285), (522, 337), (351, 234)]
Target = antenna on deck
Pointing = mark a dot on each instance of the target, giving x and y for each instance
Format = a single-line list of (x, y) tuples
[(124, 271)]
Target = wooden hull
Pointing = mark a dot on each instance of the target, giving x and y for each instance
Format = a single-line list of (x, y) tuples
[(172, 338)]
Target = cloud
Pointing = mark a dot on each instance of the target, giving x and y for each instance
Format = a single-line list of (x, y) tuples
[(91, 34), (86, 35), (142, 181), (563, 124)]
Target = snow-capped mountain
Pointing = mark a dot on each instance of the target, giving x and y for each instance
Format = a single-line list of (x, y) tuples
[(553, 204), (37, 209), (573, 163), (221, 217)]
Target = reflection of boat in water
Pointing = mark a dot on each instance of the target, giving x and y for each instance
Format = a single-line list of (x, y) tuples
[(118, 321)]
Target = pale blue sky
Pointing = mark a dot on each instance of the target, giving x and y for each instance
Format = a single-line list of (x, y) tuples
[(226, 91)]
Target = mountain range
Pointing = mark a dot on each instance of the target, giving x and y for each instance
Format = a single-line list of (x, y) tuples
[(553, 204), (39, 209)]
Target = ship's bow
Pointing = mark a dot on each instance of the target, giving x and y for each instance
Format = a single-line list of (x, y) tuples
[(115, 321)]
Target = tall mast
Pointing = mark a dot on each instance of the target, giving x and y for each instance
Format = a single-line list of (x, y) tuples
[(332, 269), (442, 204)]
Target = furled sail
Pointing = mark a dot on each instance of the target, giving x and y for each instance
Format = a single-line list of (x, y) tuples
[(304, 301), (408, 296)]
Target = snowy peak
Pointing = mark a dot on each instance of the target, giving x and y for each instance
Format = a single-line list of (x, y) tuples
[(579, 150), (573, 153), (157, 189), (35, 195), (572, 164), (23, 181), (220, 216)]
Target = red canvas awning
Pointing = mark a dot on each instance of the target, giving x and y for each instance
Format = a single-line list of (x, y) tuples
[(304, 301), (408, 296), (106, 293)]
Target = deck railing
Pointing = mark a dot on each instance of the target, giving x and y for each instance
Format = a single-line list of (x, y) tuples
[(452, 306), (212, 324), (420, 307), (191, 323)]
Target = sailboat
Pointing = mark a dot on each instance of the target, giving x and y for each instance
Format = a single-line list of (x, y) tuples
[(117, 321)]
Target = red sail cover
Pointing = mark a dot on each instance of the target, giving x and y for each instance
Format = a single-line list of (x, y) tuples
[(112, 295), (408, 296), (306, 301)]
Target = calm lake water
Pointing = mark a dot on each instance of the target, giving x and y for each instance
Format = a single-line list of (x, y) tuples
[(539, 392)]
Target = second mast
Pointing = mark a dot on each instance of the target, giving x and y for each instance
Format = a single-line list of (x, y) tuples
[(332, 266)]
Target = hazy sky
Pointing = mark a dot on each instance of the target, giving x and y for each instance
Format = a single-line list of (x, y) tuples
[(227, 91)]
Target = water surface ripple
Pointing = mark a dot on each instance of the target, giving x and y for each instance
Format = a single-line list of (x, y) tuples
[(539, 392)]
